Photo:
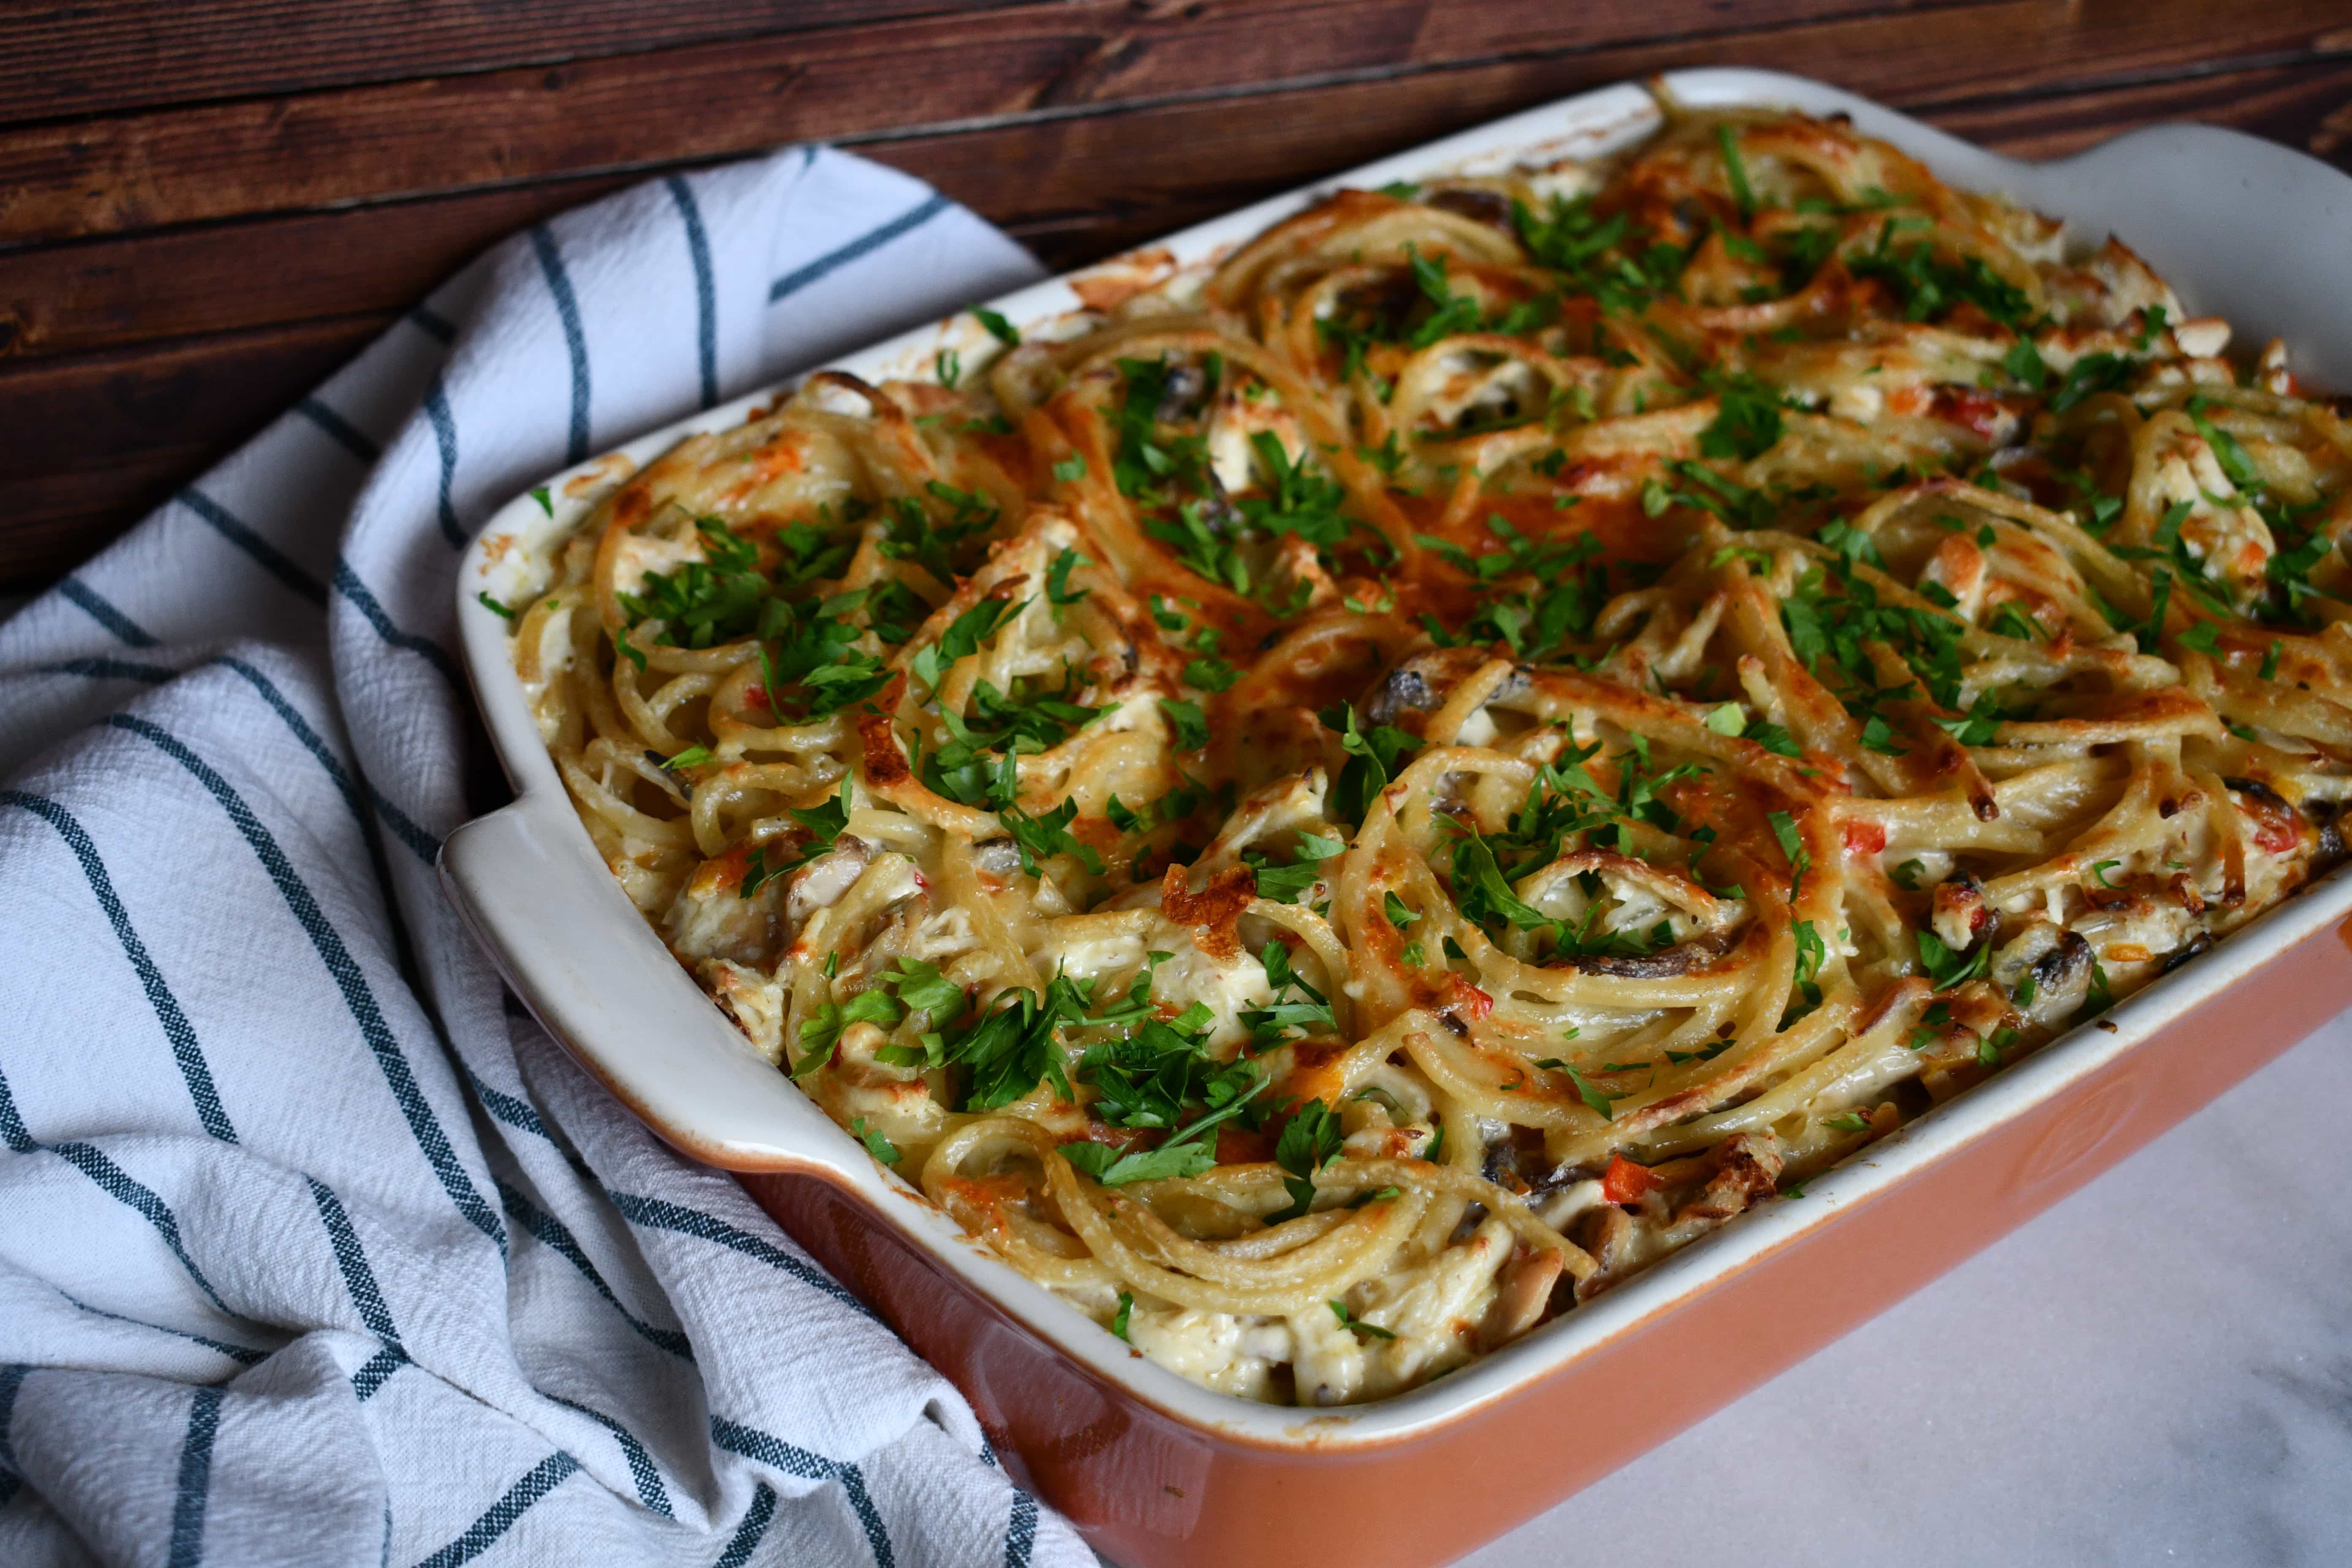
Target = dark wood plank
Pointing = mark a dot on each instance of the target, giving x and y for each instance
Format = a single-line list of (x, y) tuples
[(1231, 158), (106, 56), (1055, 178), (2307, 107), (57, 413), (457, 133), (95, 424), (97, 441), (235, 276)]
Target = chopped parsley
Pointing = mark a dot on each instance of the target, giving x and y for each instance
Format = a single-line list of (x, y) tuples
[(1310, 1139), (1600, 256), (1927, 286), (1949, 967), (1604, 1105), (1368, 1331), (1191, 726), (881, 1148), (1735, 172)]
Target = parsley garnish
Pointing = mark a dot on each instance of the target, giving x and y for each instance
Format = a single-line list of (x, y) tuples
[(1949, 967), (1192, 726), (1310, 1139), (1735, 171), (1370, 1331), (2089, 375), (1927, 286), (1810, 954), (881, 1148), (1299, 500), (1598, 257), (961, 639), (1604, 1104), (1046, 835), (1059, 592), (1211, 674), (1000, 329), (1373, 759)]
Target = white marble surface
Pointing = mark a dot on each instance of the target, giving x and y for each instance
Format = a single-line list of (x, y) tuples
[(2158, 1370)]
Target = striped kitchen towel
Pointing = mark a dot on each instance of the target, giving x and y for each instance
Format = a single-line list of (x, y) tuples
[(314, 1250)]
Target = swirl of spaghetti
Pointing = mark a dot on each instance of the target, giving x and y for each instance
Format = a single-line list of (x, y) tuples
[(1337, 807)]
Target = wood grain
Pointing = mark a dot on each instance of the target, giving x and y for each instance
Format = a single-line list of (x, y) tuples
[(104, 56), (705, 102), (177, 268), (97, 441), (1065, 181), (231, 277)]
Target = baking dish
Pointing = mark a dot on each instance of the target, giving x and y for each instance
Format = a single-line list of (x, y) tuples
[(1159, 1471)]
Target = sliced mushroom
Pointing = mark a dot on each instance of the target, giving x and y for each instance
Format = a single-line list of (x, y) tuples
[(1479, 206), (2059, 960), (1959, 911), (1521, 1295), (997, 856), (1746, 1170), (820, 883), (1404, 688)]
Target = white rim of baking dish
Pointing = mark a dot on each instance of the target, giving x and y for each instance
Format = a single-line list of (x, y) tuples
[(2240, 228)]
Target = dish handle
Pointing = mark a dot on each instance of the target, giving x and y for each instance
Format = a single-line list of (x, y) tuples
[(590, 968)]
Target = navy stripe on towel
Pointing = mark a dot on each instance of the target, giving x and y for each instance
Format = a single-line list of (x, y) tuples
[(748, 1533), (432, 324), (244, 1355), (348, 584), (832, 262), (12, 1378), (349, 437), (659, 1213), (266, 555), (754, 1444), (705, 286), (1020, 1529), (483, 1534), (445, 440), (348, 980), (113, 669), (181, 1035), (195, 1480), (113, 1183), (421, 844), (575, 339), (93, 603), (558, 1237), (650, 1490)]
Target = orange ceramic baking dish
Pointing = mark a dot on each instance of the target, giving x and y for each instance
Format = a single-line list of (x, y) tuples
[(1160, 1473)]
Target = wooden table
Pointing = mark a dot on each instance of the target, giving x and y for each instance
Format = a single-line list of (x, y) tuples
[(206, 206)]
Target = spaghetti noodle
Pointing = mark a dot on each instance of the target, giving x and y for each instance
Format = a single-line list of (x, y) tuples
[(1337, 807)]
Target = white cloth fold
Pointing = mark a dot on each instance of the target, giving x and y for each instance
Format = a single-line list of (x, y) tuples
[(315, 1250)]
